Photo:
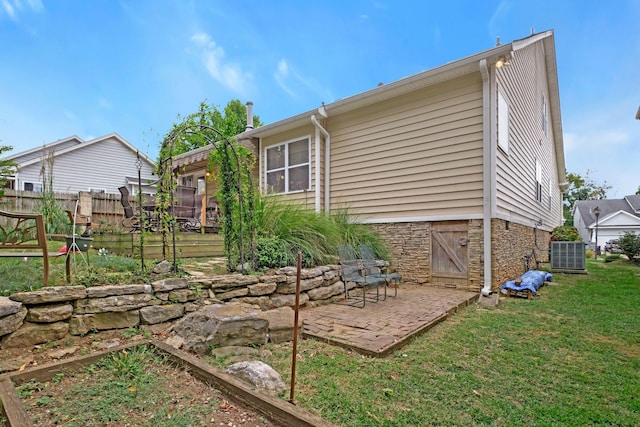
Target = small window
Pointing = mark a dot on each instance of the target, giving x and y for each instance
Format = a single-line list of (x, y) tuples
[(503, 123), (538, 181), (97, 190), (201, 185), (287, 167), (30, 186), (187, 181)]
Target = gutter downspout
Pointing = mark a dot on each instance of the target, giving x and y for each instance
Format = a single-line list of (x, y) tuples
[(327, 143), (486, 185)]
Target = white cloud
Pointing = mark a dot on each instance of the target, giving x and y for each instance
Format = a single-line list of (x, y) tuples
[(294, 84), (281, 75), (500, 14), (213, 58), (13, 7), (9, 9)]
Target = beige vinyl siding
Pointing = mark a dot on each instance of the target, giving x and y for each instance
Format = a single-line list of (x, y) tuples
[(417, 156), (523, 83), (306, 197)]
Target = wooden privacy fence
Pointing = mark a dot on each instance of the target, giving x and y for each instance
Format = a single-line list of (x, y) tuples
[(104, 209)]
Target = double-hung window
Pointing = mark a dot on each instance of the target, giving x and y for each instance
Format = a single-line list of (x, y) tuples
[(287, 167)]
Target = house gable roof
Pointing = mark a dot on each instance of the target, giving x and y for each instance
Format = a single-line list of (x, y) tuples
[(634, 202), (431, 77), (69, 145), (608, 209)]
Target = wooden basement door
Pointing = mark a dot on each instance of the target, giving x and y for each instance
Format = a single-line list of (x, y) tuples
[(449, 253)]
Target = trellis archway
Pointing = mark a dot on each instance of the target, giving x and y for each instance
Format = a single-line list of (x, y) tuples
[(237, 197)]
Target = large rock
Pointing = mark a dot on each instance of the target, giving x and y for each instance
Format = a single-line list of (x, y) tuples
[(83, 324), (261, 289), (51, 294), (8, 307), (172, 284), (12, 322), (259, 375), (113, 303), (182, 295), (227, 281), (222, 325), (236, 293), (281, 324), (279, 300), (111, 290), (32, 333), (326, 292), (305, 273), (160, 313), (264, 302), (305, 285), (49, 313)]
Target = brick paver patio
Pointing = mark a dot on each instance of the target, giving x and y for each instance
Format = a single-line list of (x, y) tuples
[(379, 328)]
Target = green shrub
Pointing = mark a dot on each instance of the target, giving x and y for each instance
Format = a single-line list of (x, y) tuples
[(272, 252), (565, 233), (630, 244), (287, 227)]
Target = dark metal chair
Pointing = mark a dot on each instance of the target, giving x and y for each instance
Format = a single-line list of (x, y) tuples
[(376, 268), (185, 208), (352, 271), (131, 220)]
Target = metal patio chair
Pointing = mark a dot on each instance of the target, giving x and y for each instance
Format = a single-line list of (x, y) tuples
[(352, 270), (374, 268)]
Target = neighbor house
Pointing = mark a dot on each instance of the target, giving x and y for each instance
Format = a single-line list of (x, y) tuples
[(617, 217), (98, 165), (460, 167)]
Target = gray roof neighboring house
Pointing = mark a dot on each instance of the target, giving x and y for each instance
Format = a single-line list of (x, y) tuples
[(607, 207)]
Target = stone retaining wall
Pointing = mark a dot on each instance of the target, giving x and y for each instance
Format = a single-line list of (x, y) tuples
[(50, 314)]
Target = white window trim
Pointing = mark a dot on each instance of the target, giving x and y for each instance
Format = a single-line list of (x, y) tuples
[(503, 122), (286, 167), (538, 181)]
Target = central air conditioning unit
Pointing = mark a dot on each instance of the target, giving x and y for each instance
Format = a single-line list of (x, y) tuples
[(568, 256)]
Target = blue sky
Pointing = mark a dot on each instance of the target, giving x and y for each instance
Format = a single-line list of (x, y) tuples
[(90, 68)]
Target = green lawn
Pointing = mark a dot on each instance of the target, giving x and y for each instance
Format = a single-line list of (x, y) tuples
[(569, 357)]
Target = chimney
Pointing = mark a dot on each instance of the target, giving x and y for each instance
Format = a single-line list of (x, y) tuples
[(249, 116)]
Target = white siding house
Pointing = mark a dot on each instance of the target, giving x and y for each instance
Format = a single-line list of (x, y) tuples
[(617, 217), (98, 165)]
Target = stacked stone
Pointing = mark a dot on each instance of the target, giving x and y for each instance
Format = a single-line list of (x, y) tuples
[(49, 314)]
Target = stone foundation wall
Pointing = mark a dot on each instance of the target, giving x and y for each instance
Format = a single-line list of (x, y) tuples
[(49, 314), (511, 243), (410, 246), (410, 249)]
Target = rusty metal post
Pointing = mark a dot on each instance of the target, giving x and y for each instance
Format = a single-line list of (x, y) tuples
[(295, 329)]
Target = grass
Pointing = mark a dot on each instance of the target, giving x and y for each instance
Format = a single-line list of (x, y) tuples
[(568, 357), (124, 388), (87, 270)]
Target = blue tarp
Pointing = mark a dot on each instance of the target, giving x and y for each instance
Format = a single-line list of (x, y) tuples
[(532, 280)]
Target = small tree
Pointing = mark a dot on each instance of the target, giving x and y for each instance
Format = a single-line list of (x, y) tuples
[(630, 245), (7, 168), (581, 188)]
